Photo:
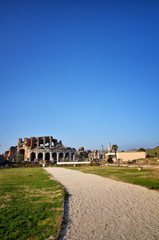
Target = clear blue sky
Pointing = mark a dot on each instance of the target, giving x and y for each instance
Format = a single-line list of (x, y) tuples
[(84, 72)]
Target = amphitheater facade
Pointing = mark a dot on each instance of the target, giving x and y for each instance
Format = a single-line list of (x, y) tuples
[(46, 148)]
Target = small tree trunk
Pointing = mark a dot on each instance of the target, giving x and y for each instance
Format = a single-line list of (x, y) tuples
[(116, 157)]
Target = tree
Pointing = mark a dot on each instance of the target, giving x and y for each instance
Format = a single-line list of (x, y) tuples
[(115, 148), (110, 159), (20, 158), (155, 154), (142, 150)]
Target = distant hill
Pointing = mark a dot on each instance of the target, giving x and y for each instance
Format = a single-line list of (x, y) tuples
[(132, 150), (154, 152)]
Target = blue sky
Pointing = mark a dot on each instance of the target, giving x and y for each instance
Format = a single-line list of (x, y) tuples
[(84, 72)]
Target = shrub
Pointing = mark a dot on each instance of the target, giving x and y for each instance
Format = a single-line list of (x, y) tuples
[(18, 165), (110, 160), (92, 163), (20, 158)]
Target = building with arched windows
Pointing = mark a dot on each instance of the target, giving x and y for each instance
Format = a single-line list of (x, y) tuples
[(35, 149)]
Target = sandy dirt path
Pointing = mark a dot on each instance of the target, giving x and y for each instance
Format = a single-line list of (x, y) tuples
[(102, 209)]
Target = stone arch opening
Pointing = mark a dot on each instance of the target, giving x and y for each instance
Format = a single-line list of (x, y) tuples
[(61, 157), (34, 143), (47, 156), (22, 151), (40, 157), (72, 156), (54, 141), (67, 156), (54, 156), (32, 157), (47, 144), (41, 142)]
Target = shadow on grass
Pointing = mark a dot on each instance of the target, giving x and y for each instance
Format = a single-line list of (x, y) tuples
[(66, 215)]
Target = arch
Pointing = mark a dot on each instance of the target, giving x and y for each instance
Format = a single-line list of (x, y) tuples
[(54, 156), (72, 156), (34, 144), (60, 156), (47, 156), (22, 151), (47, 144), (40, 156), (67, 156), (41, 142), (54, 142), (32, 157)]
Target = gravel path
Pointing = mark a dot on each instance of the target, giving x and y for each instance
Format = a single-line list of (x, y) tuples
[(102, 209)]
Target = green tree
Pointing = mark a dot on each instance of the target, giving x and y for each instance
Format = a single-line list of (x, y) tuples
[(110, 159), (155, 154), (20, 157), (142, 150), (115, 148)]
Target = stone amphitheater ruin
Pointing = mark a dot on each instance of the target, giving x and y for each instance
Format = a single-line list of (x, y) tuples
[(36, 149)]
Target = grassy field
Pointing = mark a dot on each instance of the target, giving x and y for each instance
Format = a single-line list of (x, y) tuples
[(147, 177), (30, 204)]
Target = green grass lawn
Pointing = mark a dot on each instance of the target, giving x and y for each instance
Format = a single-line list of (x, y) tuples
[(30, 204), (147, 177)]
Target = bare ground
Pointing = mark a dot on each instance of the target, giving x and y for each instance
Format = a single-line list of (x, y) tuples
[(104, 209)]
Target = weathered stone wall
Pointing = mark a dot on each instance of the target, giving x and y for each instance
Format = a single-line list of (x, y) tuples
[(46, 148)]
